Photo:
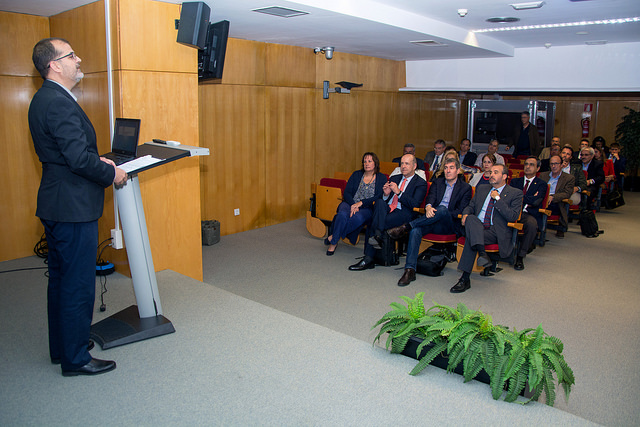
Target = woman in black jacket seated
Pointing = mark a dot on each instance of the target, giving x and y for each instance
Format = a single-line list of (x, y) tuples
[(363, 188)]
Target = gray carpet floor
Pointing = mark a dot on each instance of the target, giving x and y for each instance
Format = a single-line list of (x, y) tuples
[(279, 334)]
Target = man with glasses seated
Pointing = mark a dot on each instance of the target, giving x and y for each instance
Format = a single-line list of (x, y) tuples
[(561, 186)]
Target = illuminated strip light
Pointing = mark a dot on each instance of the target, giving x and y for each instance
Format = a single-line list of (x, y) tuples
[(564, 24)]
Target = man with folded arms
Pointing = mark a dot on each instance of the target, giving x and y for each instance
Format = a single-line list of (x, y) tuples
[(448, 196), (561, 185), (485, 222)]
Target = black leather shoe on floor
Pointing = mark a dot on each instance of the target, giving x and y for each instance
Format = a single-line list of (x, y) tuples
[(408, 277), (95, 367), (329, 253), (398, 232), (364, 264), (461, 286), (519, 264), (89, 348)]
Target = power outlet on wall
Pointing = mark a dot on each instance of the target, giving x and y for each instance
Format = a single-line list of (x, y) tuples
[(236, 212)]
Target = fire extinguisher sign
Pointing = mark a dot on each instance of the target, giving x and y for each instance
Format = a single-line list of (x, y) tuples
[(586, 120)]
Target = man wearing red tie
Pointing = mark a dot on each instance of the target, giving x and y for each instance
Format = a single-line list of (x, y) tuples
[(400, 195), (533, 189)]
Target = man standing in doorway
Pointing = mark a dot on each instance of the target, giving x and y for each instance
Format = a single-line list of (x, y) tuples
[(525, 138)]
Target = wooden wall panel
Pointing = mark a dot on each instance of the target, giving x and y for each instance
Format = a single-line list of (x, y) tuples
[(289, 66), (19, 33), (290, 134), (608, 114), (409, 126), (381, 74), (232, 126), (343, 67), (84, 28), (147, 38), (375, 124), (244, 62)]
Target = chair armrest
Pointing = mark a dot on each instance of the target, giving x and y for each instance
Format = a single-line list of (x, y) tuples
[(420, 210), (517, 225)]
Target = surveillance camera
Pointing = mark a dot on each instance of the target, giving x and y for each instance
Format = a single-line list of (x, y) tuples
[(328, 52)]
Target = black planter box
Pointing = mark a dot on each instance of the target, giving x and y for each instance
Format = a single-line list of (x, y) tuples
[(442, 362)]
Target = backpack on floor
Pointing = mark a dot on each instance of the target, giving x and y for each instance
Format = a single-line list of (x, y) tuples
[(588, 223), (387, 255), (432, 261)]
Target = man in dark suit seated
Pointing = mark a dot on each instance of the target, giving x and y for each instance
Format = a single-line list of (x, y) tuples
[(575, 170), (533, 189), (400, 195), (70, 201), (619, 163), (409, 149), (561, 187), (467, 157), (448, 196), (485, 222), (595, 174), (433, 158)]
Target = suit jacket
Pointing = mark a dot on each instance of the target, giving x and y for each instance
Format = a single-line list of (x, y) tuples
[(534, 195), (505, 210), (470, 158), (595, 171), (579, 179), (73, 176), (534, 144), (460, 198), (564, 187), (414, 193), (353, 184), (419, 162)]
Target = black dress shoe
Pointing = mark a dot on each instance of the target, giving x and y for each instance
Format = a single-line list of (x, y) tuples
[(329, 253), (519, 264), (56, 361), (408, 277), (461, 286), (95, 367), (365, 263), (398, 232)]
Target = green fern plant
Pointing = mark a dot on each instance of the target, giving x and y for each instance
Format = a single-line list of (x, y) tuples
[(512, 359)]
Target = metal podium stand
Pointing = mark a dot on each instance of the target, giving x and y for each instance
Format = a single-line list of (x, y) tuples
[(136, 323)]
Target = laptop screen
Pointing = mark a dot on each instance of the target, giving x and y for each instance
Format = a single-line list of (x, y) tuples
[(125, 136)]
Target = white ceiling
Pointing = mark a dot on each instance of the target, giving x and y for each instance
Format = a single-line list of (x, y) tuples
[(385, 28)]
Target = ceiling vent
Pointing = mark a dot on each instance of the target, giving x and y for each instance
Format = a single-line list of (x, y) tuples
[(428, 43), (502, 20), (282, 12)]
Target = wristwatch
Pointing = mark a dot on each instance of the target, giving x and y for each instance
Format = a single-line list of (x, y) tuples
[(497, 197)]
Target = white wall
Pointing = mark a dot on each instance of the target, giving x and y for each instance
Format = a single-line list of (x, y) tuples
[(606, 68)]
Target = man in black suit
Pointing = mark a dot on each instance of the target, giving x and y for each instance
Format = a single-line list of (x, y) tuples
[(409, 149), (534, 189), (467, 157), (485, 222), (525, 138), (400, 195), (433, 158), (561, 188), (595, 174), (448, 196), (70, 201)]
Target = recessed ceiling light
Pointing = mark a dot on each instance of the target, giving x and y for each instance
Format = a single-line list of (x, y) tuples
[(529, 5), (428, 43), (582, 33), (503, 19), (595, 42), (282, 12)]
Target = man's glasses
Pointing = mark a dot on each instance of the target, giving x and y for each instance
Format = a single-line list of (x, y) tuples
[(71, 55)]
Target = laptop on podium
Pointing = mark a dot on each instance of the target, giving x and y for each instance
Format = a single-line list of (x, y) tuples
[(125, 141)]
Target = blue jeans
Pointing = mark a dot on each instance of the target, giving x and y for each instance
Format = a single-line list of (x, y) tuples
[(344, 225), (440, 223)]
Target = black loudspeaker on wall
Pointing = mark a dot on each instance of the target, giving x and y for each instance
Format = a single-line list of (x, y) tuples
[(194, 22)]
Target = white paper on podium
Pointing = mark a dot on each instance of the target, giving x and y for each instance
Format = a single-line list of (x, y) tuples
[(138, 163)]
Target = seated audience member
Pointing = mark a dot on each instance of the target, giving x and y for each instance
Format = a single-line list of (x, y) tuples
[(525, 138), (561, 187), (584, 143), (545, 153), (607, 165), (448, 195), (544, 164), (492, 149), (450, 154), (467, 157), (363, 189), (619, 163), (599, 142), (400, 195), (595, 174), (433, 158), (409, 149), (482, 178), (533, 189), (575, 170), (485, 222)]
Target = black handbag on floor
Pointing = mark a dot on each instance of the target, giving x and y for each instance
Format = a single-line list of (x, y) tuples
[(588, 223), (387, 255), (613, 199), (432, 261)]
